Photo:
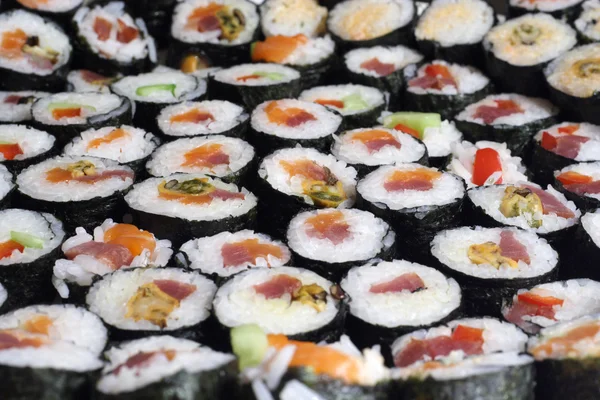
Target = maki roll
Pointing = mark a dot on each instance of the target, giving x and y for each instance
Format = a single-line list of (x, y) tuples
[(222, 29), (282, 300), (452, 30), (517, 51), (110, 41), (83, 80), (228, 253), (81, 191), (509, 118), (417, 202), (552, 303), (141, 302), (331, 242), (111, 246), (252, 84), (580, 183), (65, 115), (226, 158), (34, 53), (366, 149), (586, 24), (359, 105), (566, 10), (50, 352), (368, 23), (7, 187), (21, 146), (181, 206), (60, 11), (389, 299), (587, 242), (29, 244), (289, 123), (296, 17), (204, 118), (15, 107), (144, 368), (444, 88)]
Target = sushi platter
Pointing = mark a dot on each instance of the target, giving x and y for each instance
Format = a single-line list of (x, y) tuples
[(299, 200)]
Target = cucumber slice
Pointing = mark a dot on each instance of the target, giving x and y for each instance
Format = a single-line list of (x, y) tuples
[(354, 102), (27, 240), (151, 89), (415, 120), (60, 106), (249, 344), (274, 76)]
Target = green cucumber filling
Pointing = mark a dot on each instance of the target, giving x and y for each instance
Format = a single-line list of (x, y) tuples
[(27, 240), (64, 106), (415, 120), (151, 89), (249, 344), (354, 102), (273, 76)]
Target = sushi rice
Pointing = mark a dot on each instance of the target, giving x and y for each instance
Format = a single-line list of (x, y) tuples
[(6, 182), (591, 224), (468, 79), (186, 87), (563, 73), (292, 17), (533, 109), (588, 151), (587, 22), (591, 169), (32, 142), (400, 56), (268, 74), (15, 107), (371, 97), (94, 107)]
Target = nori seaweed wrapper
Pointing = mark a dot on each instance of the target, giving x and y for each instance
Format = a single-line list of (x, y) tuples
[(16, 166), (583, 202), (403, 35), (62, 18), (568, 379), (467, 54), (363, 119), (6, 201), (576, 108), (578, 261), (544, 162), (568, 14), (312, 75), (364, 169), (156, 14)]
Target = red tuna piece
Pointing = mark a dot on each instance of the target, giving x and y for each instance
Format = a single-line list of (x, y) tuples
[(12, 99), (382, 69), (510, 247), (584, 188), (126, 33), (175, 289), (551, 204), (503, 108), (409, 281), (113, 255), (226, 195), (102, 27), (531, 304), (278, 286), (330, 225), (92, 77)]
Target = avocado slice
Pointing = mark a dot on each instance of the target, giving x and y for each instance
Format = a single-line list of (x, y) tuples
[(249, 344)]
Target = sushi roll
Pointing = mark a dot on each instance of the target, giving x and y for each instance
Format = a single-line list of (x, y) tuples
[(366, 149), (290, 123), (509, 118), (153, 91), (368, 23), (552, 303), (124, 144), (146, 368), (290, 18), (416, 201), (21, 146), (229, 159), (157, 16), (84, 80), (65, 115), (492, 264), (452, 30), (566, 10), (29, 244), (204, 118), (486, 163), (222, 29), (7, 187), (517, 51), (580, 183), (59, 11), (573, 83), (586, 23), (81, 191), (389, 299), (585, 247), (252, 84), (180, 206), (50, 352), (298, 179), (34, 53), (566, 358), (282, 300), (228, 253), (331, 242), (359, 105), (141, 302), (444, 88), (15, 107), (382, 67), (109, 247)]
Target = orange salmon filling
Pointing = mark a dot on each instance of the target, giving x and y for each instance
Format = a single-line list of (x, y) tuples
[(277, 48), (7, 248), (572, 177), (332, 103), (291, 116), (40, 324), (111, 137), (376, 139), (129, 236), (194, 116), (33, 3), (252, 249), (566, 345), (207, 155), (60, 113), (12, 43), (10, 151)]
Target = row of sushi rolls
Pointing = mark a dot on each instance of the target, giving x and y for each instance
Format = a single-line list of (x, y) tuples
[(299, 200)]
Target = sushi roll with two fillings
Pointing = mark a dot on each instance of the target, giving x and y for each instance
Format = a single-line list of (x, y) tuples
[(359, 105), (50, 352), (295, 17), (492, 264), (517, 51), (22, 146), (7, 187), (587, 242), (110, 41), (566, 10), (29, 245), (34, 53), (509, 118), (587, 22), (288, 123), (221, 29), (416, 201), (580, 183), (163, 365), (81, 191), (476, 358), (84, 80), (452, 30), (106, 248), (15, 107)]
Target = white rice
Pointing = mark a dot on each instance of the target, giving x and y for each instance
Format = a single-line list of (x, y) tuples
[(399, 56), (56, 6), (588, 348), (58, 356), (325, 123), (108, 298), (145, 197), (468, 80), (225, 115), (313, 51), (591, 224), (91, 104), (354, 20), (3, 295), (230, 75), (554, 39), (588, 21), (490, 198), (41, 225), (371, 96), (237, 303), (205, 254), (455, 22), (543, 6), (440, 297), (18, 112), (563, 75), (292, 17), (589, 169), (6, 182), (447, 189), (588, 151), (187, 87), (33, 142), (33, 183), (81, 85), (186, 7)]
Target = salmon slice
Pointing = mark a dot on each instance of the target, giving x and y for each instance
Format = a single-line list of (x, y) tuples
[(12, 43), (10, 340), (277, 48), (204, 19), (409, 281), (307, 168), (551, 204), (39, 324), (291, 116), (248, 78), (330, 102), (10, 151), (107, 139), (572, 177), (420, 179), (130, 237), (330, 225), (510, 247), (381, 69), (112, 254), (206, 156), (408, 130), (125, 33), (376, 139), (567, 343), (58, 175), (34, 4), (248, 251), (7, 248), (568, 129), (278, 286), (60, 113), (175, 289), (102, 27), (193, 116), (503, 108), (567, 145)]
